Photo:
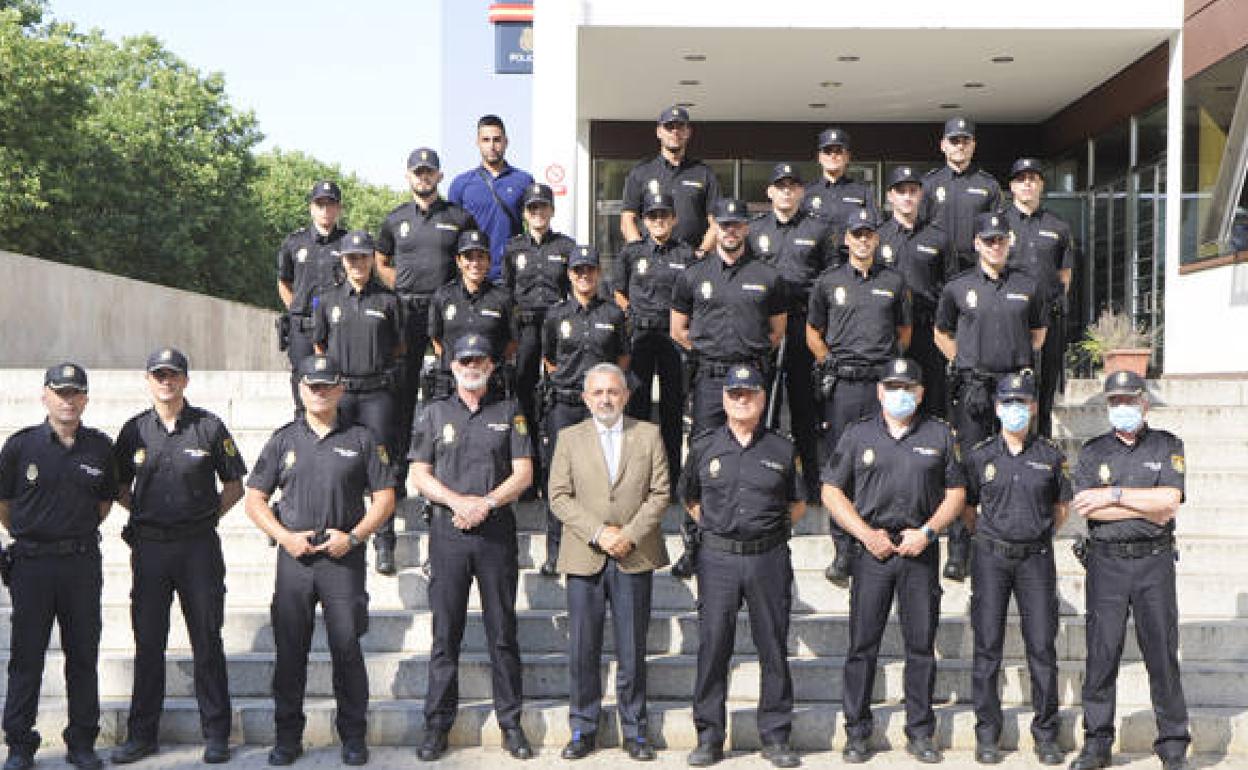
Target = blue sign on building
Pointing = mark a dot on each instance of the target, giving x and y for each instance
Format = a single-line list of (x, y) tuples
[(513, 48)]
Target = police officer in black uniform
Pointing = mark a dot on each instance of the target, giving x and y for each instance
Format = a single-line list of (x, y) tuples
[(895, 481), (801, 246), (579, 332), (691, 183), (835, 196), (990, 322), (645, 272), (306, 263), (359, 323), (956, 193), (728, 308), (535, 271), (470, 304), (324, 466), (859, 318), (470, 458), (1017, 492), (1129, 483), (57, 483), (1041, 245), (741, 484), (169, 459), (918, 249)]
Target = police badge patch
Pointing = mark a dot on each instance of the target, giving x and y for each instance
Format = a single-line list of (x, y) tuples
[(404, 229), (302, 255), (990, 472), (449, 313), (713, 467), (335, 315), (641, 266), (868, 456), (972, 299), (290, 459), (140, 456), (565, 329), (839, 295), (32, 473), (1105, 474), (707, 290), (448, 434)]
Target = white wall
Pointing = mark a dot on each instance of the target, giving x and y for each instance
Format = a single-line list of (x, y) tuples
[(1205, 332)]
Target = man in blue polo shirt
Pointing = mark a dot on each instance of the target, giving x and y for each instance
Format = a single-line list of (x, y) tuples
[(492, 191)]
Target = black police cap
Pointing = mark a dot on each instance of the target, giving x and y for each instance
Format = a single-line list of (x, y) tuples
[(674, 114), (830, 137), (862, 219), (658, 202), (168, 358), (1026, 164), (326, 188), (730, 210), (471, 346), (424, 157), (902, 370), (1124, 383), (538, 193), (1021, 385), (785, 171), (66, 376), (903, 174), (583, 255), (743, 376), (959, 126), (989, 224), (357, 242), (472, 239), (320, 370)]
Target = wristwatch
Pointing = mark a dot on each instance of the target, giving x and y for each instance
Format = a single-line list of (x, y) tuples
[(490, 502), (353, 540), (929, 532), (1115, 495)]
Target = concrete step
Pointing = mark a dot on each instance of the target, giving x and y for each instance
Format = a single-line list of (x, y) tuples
[(1166, 391), (1185, 421), (816, 727), (248, 629), (671, 677)]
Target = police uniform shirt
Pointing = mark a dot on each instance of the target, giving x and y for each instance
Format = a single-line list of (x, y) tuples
[(896, 483), (692, 185), (919, 254), (1040, 246), (470, 452), (858, 314), (537, 273), (991, 320), (646, 271), (951, 200), (454, 312), (359, 328), (323, 480), (576, 337), (1156, 459), (744, 491), (309, 262), (54, 492), (1016, 493), (729, 306), (801, 249), (175, 472), (836, 201), (421, 244)]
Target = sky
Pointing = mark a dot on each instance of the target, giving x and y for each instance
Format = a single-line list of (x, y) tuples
[(346, 82)]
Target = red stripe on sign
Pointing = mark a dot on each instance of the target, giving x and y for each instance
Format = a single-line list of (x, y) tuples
[(500, 12)]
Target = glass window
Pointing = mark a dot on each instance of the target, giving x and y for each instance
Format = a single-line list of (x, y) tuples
[(1152, 134), (1113, 155)]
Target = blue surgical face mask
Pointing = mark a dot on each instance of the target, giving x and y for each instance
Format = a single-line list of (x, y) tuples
[(900, 404), (1126, 418), (1014, 417)]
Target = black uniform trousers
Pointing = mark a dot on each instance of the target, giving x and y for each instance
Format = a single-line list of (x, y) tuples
[(560, 416), (1052, 360), (65, 589), (1145, 587), (972, 414), (654, 353), (489, 554), (851, 401), (915, 583), (923, 350), (378, 411), (799, 389), (529, 364), (1032, 580), (298, 348), (338, 585), (629, 596), (194, 568), (765, 582), (407, 393)]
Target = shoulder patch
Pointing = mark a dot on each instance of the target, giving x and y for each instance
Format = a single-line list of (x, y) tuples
[(984, 442)]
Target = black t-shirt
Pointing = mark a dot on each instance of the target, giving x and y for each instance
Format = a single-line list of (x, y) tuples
[(836, 201), (310, 263), (576, 337), (323, 480), (54, 491), (1016, 493), (692, 185), (801, 249), (536, 274), (919, 255), (991, 319), (175, 473), (1041, 245), (745, 491), (1156, 459), (361, 329), (858, 314), (421, 244), (730, 306), (471, 452), (454, 312), (645, 273)]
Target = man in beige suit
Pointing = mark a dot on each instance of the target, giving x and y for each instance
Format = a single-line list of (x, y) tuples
[(609, 486)]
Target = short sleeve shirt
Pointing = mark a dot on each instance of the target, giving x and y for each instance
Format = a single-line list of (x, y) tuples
[(919, 254), (309, 262), (745, 491), (1156, 459), (801, 249), (730, 306), (455, 311), (692, 185), (470, 452), (360, 328), (645, 273), (1016, 493), (421, 244), (858, 314), (536, 273), (54, 491), (576, 337), (1041, 246), (991, 319), (952, 200)]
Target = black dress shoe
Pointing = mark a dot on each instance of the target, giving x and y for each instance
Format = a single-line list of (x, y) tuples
[(685, 566), (705, 755), (639, 749), (550, 568), (579, 747), (1049, 753), (216, 752), (1090, 759), (1176, 763), (385, 560), (781, 755), (19, 760), (354, 753), (856, 751), (282, 755), (432, 746), (132, 751), (923, 750), (516, 743), (84, 758), (987, 754)]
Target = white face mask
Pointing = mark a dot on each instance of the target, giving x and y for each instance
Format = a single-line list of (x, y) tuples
[(1126, 418), (900, 404)]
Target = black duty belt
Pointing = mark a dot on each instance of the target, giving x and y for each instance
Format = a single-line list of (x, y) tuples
[(161, 534), (1008, 550), (77, 546), (1134, 549), (856, 372), (718, 368), (744, 547), (367, 382), (530, 317), (651, 323), (301, 322)]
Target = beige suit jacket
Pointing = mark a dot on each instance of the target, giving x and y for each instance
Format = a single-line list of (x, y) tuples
[(584, 499)]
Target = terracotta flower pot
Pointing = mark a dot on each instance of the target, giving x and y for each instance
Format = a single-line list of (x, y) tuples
[(1128, 359)]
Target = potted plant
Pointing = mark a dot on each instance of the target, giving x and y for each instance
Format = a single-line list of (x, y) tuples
[(1118, 344)]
